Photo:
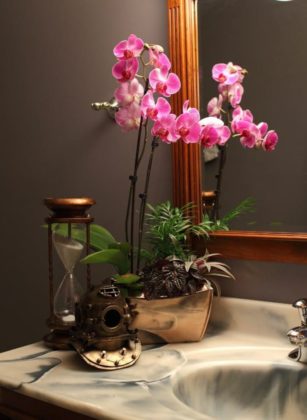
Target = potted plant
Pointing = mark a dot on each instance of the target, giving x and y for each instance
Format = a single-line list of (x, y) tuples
[(177, 286)]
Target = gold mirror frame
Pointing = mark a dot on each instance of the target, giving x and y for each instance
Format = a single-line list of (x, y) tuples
[(186, 159)]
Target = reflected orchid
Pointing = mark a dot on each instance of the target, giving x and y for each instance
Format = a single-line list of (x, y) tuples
[(214, 106), (214, 132), (227, 74), (270, 141)]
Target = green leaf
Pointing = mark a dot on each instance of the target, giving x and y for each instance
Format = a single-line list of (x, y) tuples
[(101, 238), (146, 255), (114, 257), (126, 279), (124, 247), (245, 206)]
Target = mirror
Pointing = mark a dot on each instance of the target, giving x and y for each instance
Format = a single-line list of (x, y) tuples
[(266, 37), (187, 159)]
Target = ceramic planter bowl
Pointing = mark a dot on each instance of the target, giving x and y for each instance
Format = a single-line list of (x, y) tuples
[(172, 320)]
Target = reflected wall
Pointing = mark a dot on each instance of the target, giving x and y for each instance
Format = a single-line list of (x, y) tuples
[(267, 38)]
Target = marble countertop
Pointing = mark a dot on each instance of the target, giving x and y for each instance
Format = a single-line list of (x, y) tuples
[(240, 330)]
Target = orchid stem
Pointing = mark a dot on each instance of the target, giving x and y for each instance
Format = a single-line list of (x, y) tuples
[(131, 201), (219, 175), (143, 197), (144, 143), (222, 161), (130, 213)]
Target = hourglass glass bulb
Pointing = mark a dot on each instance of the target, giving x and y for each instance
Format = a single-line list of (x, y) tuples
[(66, 297), (68, 249), (69, 291)]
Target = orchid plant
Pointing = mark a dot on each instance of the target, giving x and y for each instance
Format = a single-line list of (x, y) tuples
[(143, 72), (227, 119), (145, 83)]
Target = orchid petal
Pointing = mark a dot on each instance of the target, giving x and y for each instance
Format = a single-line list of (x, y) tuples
[(263, 128), (270, 141), (173, 84)]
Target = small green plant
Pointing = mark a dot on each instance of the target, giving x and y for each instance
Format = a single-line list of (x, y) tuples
[(169, 228), (245, 206), (174, 270)]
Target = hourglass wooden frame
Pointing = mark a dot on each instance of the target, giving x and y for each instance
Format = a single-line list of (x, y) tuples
[(65, 211)]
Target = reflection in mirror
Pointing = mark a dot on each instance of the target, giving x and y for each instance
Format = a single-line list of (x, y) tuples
[(267, 38)]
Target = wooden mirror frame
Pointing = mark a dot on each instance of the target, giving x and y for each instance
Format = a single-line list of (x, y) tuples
[(186, 159)]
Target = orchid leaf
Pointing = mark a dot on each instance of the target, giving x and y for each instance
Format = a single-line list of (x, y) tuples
[(100, 237), (124, 247), (114, 257), (126, 279)]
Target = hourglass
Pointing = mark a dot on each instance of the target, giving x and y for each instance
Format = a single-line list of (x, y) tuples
[(69, 234)]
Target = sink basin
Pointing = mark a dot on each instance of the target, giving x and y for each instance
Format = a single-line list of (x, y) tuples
[(256, 389)]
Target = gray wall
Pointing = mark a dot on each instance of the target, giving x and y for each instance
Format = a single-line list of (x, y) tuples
[(56, 58)]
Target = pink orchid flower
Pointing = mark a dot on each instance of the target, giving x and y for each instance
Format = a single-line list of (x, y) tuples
[(132, 47), (187, 124), (129, 92), (151, 109), (125, 70), (214, 106), (164, 82), (159, 59), (232, 93), (240, 115), (270, 141), (249, 134), (227, 74), (129, 117), (214, 132), (165, 129)]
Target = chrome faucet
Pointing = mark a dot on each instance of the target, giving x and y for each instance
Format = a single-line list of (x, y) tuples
[(298, 335)]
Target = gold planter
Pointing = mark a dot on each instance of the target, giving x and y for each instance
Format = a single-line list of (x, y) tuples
[(172, 320)]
